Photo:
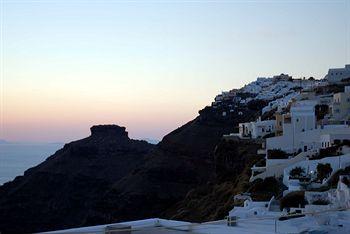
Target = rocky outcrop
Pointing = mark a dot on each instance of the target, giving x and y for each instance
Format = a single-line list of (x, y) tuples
[(109, 131), (108, 177), (59, 192), (182, 161)]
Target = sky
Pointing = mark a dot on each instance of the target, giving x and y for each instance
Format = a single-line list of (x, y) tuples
[(151, 65)]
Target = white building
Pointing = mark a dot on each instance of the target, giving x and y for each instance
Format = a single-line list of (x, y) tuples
[(256, 129), (308, 140), (253, 209), (335, 75), (340, 106), (302, 118), (301, 132), (328, 140), (311, 141)]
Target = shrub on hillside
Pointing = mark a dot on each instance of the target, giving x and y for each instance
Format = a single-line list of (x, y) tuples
[(321, 110), (293, 199), (335, 177), (346, 181), (330, 151), (261, 163), (297, 172), (346, 142), (263, 190), (277, 154), (323, 171)]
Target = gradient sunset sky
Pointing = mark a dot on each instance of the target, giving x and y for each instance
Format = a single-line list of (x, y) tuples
[(150, 66)]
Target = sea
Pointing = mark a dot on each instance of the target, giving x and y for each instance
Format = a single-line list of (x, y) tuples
[(15, 158)]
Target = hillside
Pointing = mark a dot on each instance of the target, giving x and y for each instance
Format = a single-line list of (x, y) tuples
[(58, 193), (212, 201), (108, 177)]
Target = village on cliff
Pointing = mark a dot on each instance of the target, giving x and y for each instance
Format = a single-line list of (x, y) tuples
[(304, 134)]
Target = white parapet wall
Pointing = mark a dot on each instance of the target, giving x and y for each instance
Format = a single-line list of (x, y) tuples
[(336, 162), (132, 226), (277, 170), (310, 140)]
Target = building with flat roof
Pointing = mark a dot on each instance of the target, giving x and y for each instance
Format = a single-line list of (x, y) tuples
[(335, 75), (256, 129), (340, 107)]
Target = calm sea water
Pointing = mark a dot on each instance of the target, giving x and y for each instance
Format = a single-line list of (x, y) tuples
[(15, 158)]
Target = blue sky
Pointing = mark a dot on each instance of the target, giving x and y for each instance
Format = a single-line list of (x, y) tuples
[(151, 65)]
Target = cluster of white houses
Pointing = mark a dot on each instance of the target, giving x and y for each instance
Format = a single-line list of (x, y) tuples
[(307, 131), (299, 117), (300, 129)]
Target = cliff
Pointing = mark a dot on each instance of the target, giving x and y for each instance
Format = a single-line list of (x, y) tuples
[(108, 177), (213, 200), (59, 192)]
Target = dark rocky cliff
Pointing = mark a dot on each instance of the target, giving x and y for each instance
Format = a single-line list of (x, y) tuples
[(211, 201), (59, 192), (108, 177), (182, 161)]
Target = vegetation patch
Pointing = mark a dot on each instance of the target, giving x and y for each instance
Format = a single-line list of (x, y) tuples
[(333, 181), (263, 190), (323, 171), (277, 154), (297, 172), (293, 199)]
